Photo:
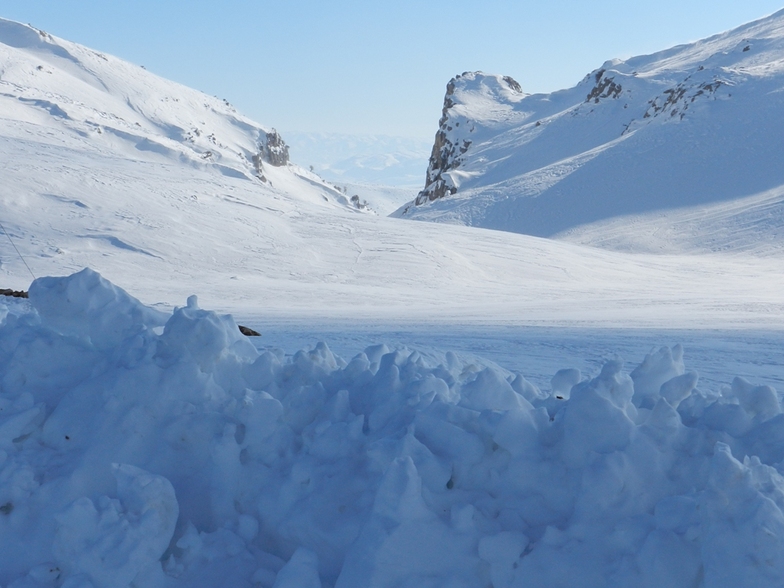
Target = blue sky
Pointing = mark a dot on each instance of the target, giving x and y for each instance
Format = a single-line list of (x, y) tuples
[(372, 67)]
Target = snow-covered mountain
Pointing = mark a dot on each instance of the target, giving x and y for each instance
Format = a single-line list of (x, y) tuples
[(368, 159), (64, 94), (102, 167), (649, 141)]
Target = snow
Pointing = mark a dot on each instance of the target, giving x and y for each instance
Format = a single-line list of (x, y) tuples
[(381, 199), (690, 134), (167, 231), (64, 94), (429, 405), (168, 224), (168, 451)]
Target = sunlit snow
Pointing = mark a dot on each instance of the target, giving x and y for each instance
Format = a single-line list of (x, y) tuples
[(150, 449), (428, 405)]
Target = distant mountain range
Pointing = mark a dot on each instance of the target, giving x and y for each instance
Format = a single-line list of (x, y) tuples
[(370, 159), (679, 150), (383, 170)]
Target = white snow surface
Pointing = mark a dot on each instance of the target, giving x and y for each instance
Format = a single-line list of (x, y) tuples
[(381, 199), (150, 444), (141, 448), (60, 94), (167, 223), (648, 143)]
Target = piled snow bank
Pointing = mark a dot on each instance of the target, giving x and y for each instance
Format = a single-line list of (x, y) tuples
[(144, 450)]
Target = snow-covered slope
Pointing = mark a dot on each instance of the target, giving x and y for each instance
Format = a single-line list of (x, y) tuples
[(167, 231), (150, 446), (59, 93), (696, 125), (167, 224)]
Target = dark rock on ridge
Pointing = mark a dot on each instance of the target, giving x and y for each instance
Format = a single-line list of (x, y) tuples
[(447, 147)]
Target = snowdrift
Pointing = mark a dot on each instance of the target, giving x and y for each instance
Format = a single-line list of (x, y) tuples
[(139, 448)]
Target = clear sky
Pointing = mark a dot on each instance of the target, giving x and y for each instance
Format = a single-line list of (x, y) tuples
[(370, 67)]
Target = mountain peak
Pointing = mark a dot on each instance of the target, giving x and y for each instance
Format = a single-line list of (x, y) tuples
[(471, 98), (503, 88)]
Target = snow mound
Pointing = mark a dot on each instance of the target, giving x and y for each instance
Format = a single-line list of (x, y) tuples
[(141, 449)]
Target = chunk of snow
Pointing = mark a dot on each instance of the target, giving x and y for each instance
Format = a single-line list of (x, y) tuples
[(241, 468)]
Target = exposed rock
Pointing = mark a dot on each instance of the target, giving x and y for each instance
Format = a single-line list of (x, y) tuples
[(274, 150), (450, 142), (248, 332), (359, 204), (13, 293), (677, 100), (605, 87), (513, 84)]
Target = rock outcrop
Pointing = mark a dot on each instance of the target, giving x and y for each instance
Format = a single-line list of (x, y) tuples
[(685, 142), (606, 87), (455, 131), (274, 150)]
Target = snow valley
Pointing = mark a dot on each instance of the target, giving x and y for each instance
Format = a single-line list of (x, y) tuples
[(110, 167), (145, 442)]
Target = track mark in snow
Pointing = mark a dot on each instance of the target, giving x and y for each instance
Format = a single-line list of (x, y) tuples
[(120, 244), (51, 107), (65, 200), (235, 200)]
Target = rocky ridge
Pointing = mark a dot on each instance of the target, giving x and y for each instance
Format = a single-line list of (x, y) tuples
[(693, 125), (452, 141), (608, 83)]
